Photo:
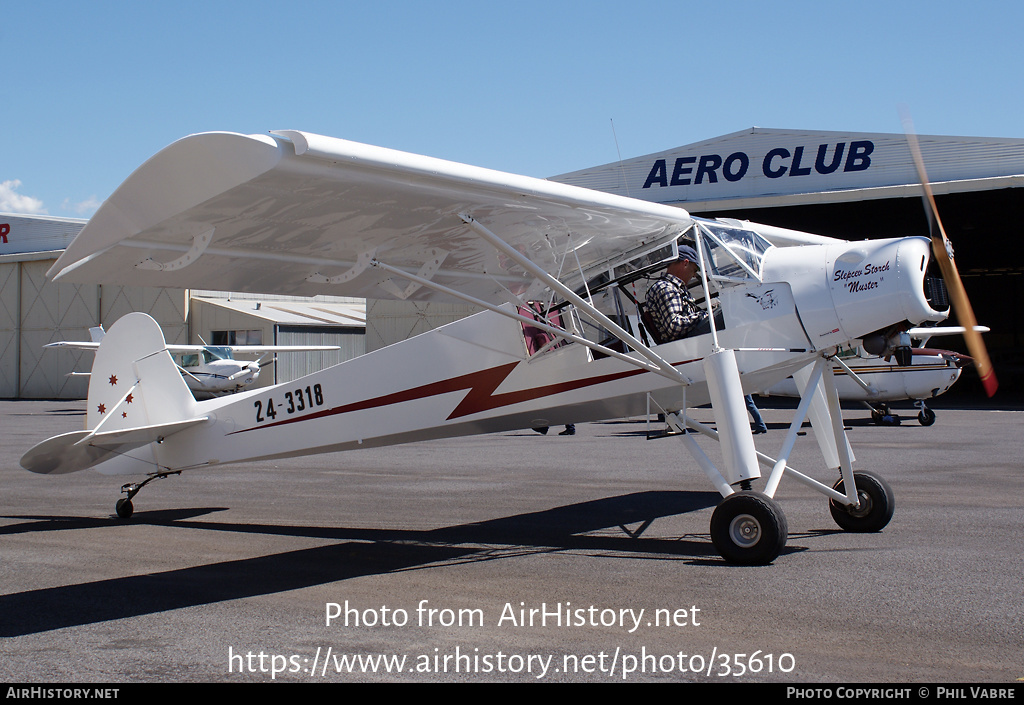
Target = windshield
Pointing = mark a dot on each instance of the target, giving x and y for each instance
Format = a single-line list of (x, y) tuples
[(733, 254), (212, 353)]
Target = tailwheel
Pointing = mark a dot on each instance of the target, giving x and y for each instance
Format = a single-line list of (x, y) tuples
[(749, 528), (876, 504), (124, 508)]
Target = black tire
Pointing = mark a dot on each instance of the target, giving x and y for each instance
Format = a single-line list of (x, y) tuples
[(926, 416), (124, 508), (877, 504), (749, 528)]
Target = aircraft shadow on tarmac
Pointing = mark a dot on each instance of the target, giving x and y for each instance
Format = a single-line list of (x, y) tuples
[(359, 552)]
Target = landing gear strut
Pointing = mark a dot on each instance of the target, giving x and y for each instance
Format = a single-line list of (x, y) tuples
[(124, 507)]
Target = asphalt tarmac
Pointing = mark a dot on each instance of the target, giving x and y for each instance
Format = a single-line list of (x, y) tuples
[(510, 557)]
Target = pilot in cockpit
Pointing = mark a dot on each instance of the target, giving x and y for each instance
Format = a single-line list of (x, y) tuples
[(672, 310)]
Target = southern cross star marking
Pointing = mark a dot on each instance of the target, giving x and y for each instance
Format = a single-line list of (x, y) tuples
[(113, 380), (128, 399), (102, 408)]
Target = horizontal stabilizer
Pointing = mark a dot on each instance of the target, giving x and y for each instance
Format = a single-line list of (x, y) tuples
[(80, 450)]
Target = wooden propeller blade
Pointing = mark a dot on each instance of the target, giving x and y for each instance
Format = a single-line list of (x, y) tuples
[(943, 253)]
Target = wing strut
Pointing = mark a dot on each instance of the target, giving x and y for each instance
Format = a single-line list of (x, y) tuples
[(672, 374), (664, 367)]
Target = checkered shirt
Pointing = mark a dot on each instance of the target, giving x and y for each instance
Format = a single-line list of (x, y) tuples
[(674, 311)]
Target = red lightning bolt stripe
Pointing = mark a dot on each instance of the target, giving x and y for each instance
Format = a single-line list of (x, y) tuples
[(481, 396)]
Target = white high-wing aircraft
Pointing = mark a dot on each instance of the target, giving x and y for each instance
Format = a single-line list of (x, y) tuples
[(875, 381), (297, 213), (209, 370)]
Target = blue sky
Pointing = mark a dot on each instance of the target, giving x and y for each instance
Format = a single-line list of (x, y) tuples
[(93, 89)]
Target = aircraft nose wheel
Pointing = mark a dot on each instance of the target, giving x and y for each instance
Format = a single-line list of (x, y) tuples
[(877, 503), (749, 528), (926, 416)]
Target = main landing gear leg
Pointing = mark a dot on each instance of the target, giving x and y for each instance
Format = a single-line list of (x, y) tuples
[(882, 415), (124, 506), (747, 527)]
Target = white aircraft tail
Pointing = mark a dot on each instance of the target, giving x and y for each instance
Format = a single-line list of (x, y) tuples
[(136, 397)]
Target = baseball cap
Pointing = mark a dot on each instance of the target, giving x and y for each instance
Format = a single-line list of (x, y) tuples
[(688, 253)]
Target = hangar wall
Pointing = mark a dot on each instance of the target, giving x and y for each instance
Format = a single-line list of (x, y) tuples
[(389, 321), (35, 311)]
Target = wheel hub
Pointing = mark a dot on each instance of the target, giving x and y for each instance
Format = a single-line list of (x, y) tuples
[(863, 507), (745, 530)]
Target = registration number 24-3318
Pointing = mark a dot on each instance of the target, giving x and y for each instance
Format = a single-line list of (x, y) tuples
[(294, 402)]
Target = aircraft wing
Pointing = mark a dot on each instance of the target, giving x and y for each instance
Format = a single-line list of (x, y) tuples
[(297, 213), (73, 345), (180, 349), (256, 349)]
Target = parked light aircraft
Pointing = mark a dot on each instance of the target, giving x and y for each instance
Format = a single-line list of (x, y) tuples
[(876, 381), (209, 370), (296, 213)]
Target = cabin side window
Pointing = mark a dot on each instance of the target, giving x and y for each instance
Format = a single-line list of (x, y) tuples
[(536, 339)]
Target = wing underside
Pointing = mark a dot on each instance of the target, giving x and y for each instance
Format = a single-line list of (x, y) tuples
[(295, 213)]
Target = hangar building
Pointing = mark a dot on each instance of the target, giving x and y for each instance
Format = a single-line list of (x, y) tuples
[(35, 311)]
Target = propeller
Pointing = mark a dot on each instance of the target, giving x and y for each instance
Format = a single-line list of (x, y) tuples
[(943, 253)]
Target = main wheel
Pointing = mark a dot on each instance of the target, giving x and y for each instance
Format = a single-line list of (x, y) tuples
[(877, 504), (749, 528), (926, 416), (124, 508)]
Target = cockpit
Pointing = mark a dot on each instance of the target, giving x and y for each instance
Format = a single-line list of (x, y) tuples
[(731, 255), (208, 355)]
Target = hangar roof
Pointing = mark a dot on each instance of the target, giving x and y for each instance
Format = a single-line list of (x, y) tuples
[(21, 233), (761, 167)]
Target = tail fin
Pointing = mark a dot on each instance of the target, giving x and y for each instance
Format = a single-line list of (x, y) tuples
[(136, 396), (134, 380)]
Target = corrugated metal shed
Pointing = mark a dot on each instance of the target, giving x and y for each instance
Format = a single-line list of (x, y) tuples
[(289, 321)]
